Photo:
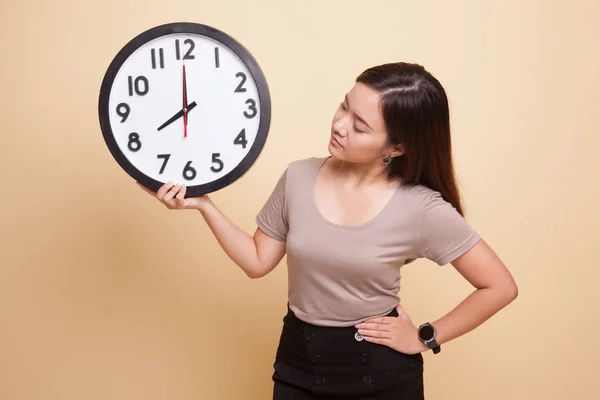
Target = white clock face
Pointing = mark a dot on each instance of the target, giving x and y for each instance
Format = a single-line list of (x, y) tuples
[(147, 117)]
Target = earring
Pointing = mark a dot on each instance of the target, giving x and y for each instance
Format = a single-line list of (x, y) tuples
[(386, 159)]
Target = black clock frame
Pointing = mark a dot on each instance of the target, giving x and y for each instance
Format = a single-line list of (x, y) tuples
[(242, 53)]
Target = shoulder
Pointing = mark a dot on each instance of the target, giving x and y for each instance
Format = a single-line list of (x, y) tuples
[(422, 197), (307, 163), (304, 168)]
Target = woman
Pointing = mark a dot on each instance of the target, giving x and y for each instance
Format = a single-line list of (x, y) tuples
[(384, 197)]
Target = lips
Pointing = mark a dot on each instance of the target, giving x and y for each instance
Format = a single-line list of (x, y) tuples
[(334, 140)]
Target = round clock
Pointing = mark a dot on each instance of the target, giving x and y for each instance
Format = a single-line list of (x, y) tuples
[(184, 102)]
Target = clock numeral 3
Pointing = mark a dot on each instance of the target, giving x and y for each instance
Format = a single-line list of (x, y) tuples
[(241, 88), (241, 139), (252, 107), (161, 56), (134, 143), (140, 86), (123, 111), (165, 158), (216, 160), (189, 172), (188, 55)]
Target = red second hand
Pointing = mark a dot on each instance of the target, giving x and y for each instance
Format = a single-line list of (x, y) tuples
[(184, 103)]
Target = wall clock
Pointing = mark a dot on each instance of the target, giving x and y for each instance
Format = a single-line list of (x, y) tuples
[(184, 102)]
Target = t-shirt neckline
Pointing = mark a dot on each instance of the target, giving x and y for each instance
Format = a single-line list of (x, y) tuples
[(340, 226)]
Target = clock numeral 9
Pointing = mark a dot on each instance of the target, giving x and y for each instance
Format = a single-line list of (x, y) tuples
[(216, 160), (241, 139), (140, 86), (189, 172), (188, 55), (241, 88), (165, 158), (134, 143), (252, 107), (123, 111)]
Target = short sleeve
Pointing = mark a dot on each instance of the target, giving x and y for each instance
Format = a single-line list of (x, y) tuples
[(273, 218), (444, 234)]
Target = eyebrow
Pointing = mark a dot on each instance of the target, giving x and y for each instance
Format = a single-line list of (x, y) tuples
[(357, 116)]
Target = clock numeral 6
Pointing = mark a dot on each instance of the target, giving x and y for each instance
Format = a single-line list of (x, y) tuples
[(165, 158), (134, 143), (252, 107), (216, 160), (189, 172), (123, 111), (140, 85)]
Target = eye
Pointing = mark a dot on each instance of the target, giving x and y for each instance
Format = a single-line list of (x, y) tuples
[(342, 106), (358, 130)]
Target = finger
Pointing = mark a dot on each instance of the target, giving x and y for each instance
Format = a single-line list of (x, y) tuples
[(383, 341), (164, 189), (374, 326), (380, 320), (168, 198), (375, 333), (180, 198)]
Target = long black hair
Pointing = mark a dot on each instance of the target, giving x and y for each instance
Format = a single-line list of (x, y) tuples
[(415, 110)]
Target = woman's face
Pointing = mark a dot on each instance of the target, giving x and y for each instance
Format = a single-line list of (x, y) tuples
[(358, 133)]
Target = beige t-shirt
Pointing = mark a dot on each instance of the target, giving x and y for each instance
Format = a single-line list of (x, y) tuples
[(342, 275)]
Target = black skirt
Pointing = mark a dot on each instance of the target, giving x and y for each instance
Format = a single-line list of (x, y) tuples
[(316, 362)]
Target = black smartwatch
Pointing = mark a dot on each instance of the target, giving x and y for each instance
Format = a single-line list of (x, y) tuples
[(427, 335)]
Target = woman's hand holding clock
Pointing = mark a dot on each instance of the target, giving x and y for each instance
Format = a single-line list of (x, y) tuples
[(172, 195)]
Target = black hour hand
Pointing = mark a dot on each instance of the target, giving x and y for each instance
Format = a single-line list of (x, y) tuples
[(177, 116)]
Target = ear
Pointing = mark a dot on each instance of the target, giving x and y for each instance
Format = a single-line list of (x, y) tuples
[(397, 151)]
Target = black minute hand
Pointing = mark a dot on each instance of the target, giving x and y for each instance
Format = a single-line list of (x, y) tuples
[(177, 116)]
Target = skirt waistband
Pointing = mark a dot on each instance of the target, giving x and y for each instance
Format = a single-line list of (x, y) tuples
[(310, 347)]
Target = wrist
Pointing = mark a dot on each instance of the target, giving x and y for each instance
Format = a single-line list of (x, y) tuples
[(202, 204), (419, 346), (427, 335)]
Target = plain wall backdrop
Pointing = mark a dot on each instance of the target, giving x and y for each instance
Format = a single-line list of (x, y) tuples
[(106, 294)]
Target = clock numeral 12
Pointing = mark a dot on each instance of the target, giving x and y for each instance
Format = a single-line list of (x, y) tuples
[(161, 57), (217, 64), (140, 85), (188, 55)]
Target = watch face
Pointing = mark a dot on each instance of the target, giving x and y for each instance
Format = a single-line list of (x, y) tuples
[(426, 333), (187, 103)]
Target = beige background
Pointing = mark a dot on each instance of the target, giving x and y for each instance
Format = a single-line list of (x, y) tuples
[(105, 294)]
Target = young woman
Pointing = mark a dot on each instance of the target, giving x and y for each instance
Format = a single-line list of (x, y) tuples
[(348, 222)]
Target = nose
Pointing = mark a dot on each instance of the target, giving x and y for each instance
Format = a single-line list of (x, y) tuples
[(339, 127)]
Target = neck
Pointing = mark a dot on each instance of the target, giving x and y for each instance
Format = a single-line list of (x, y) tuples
[(358, 174)]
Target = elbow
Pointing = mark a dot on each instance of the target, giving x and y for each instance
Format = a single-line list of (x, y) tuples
[(510, 292), (514, 292), (255, 273)]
